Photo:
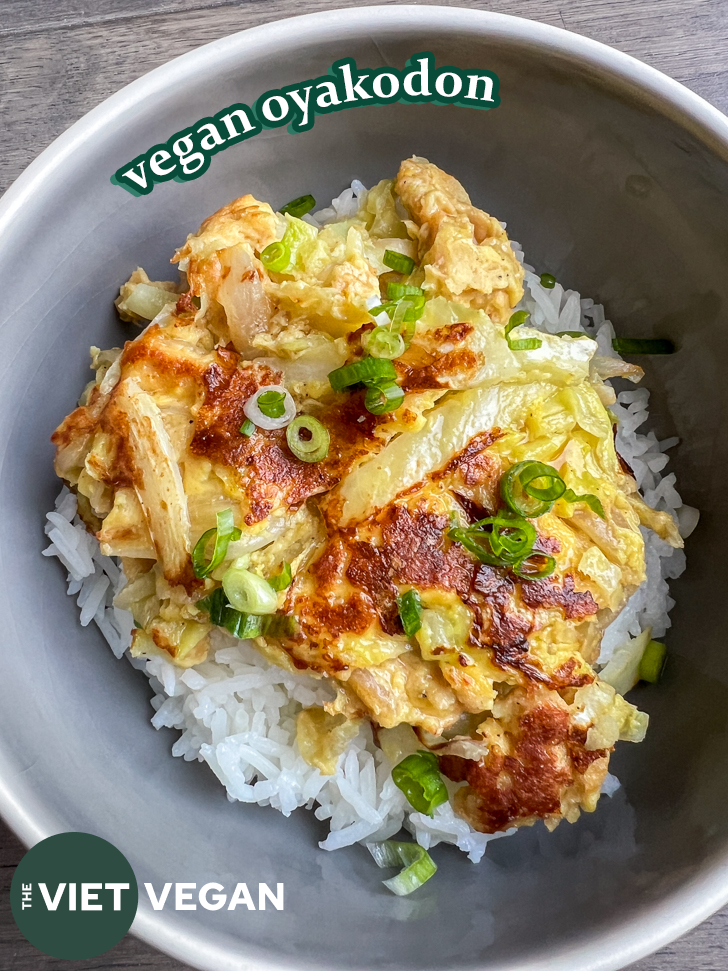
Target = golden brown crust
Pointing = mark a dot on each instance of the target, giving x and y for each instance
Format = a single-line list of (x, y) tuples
[(514, 788)]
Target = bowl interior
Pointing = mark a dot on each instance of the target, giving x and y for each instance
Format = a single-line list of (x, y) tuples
[(607, 184)]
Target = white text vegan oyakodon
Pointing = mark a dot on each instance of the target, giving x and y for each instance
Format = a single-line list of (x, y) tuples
[(186, 155)]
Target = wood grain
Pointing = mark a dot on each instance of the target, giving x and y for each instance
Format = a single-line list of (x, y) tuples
[(60, 58)]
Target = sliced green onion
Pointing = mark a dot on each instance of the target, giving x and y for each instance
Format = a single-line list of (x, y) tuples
[(276, 257), (410, 612), (535, 472), (509, 539), (395, 291), (404, 318), (223, 533), (653, 662), (398, 262), (535, 566), (282, 580), (298, 207), (548, 281), (248, 592), (370, 370), (382, 398), (511, 536), (247, 428), (632, 345), (313, 448), (570, 333), (527, 343), (418, 776), (515, 320), (388, 307), (244, 625), (530, 501), (412, 310), (477, 543), (214, 604), (417, 862), (591, 501), (383, 342), (272, 403)]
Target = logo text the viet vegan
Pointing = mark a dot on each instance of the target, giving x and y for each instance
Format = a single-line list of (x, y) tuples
[(186, 155)]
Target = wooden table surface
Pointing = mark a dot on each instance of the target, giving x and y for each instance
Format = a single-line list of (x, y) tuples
[(60, 58)]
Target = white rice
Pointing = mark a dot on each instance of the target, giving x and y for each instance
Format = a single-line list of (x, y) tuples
[(238, 712)]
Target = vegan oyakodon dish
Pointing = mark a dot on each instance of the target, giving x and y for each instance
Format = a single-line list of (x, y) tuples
[(353, 501)]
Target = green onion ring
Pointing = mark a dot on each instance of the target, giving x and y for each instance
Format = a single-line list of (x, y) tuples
[(313, 449), (276, 257), (395, 291), (653, 662), (282, 580), (417, 862), (398, 262), (528, 343), (298, 207), (522, 569), (418, 776), (516, 497), (592, 501), (370, 370), (410, 612), (382, 398), (532, 472), (224, 532), (249, 593), (384, 343)]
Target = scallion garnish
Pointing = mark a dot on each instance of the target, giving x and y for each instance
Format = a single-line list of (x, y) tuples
[(504, 540), (396, 291), (384, 343), (381, 398), (383, 308), (527, 343), (548, 281), (243, 625), (298, 207), (418, 776), (522, 496), (570, 333), (535, 566), (312, 448), (282, 580), (417, 862), (633, 345), (410, 612), (248, 592), (272, 403), (398, 262), (368, 371), (653, 662), (530, 489), (590, 500), (247, 428), (224, 532), (276, 257)]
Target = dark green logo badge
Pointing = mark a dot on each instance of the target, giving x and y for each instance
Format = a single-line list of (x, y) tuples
[(74, 896)]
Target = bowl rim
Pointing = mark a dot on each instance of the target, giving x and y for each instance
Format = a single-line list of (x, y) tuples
[(687, 906)]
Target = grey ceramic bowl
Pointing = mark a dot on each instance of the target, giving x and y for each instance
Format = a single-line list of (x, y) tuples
[(615, 179)]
